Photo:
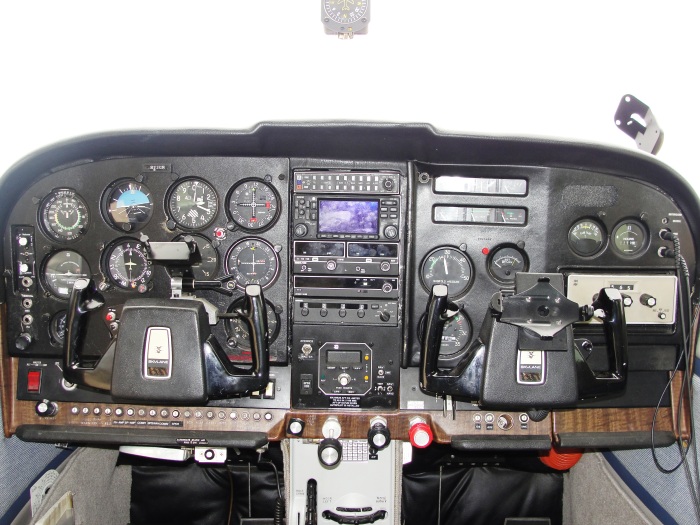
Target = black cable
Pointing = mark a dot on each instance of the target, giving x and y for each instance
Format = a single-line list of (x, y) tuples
[(687, 316), (279, 510), (230, 500)]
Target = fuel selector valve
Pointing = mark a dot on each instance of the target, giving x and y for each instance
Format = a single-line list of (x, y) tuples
[(378, 435)]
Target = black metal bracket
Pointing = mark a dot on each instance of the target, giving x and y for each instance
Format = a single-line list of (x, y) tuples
[(636, 119)]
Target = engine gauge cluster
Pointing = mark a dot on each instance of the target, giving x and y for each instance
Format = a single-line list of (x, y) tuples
[(588, 238)]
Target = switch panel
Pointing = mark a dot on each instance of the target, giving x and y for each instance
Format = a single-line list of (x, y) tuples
[(649, 299)]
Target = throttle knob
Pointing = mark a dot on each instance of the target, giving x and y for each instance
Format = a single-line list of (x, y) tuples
[(330, 452), (420, 434), (378, 435)]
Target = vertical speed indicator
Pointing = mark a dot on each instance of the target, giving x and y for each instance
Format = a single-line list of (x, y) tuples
[(447, 266)]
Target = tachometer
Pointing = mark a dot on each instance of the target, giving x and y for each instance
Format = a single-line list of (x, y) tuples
[(192, 204), (127, 265), (448, 266), (252, 261), (64, 215), (62, 269), (253, 205)]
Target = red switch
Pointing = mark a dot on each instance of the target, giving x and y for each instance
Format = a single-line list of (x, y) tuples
[(33, 380)]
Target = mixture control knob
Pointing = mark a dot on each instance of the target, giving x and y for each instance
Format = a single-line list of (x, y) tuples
[(300, 230), (419, 433), (378, 435), (344, 379), (648, 300), (46, 408), (23, 341), (384, 316), (330, 452)]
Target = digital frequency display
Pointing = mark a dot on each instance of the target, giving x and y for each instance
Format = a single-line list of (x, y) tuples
[(351, 216)]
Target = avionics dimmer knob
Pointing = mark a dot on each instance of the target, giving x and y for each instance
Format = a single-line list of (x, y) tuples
[(23, 341), (647, 300), (344, 379), (46, 408)]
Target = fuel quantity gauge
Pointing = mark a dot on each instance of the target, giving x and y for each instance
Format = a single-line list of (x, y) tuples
[(586, 237)]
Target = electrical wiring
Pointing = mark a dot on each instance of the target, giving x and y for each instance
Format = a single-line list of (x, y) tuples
[(689, 338)]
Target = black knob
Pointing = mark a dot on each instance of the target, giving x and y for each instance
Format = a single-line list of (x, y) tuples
[(391, 231), (378, 436), (23, 341), (300, 230), (46, 408), (388, 184), (648, 300), (330, 452), (537, 415), (384, 316)]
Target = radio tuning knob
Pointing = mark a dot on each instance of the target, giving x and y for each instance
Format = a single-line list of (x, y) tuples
[(391, 231), (385, 266), (300, 230), (648, 300)]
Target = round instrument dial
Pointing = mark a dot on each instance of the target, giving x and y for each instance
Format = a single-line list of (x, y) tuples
[(239, 335), (128, 205), (345, 11), (586, 237), (208, 267), (57, 327), (127, 265), (505, 262), (192, 204), (253, 205), (252, 261), (62, 269), (64, 215), (630, 238), (447, 266)]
